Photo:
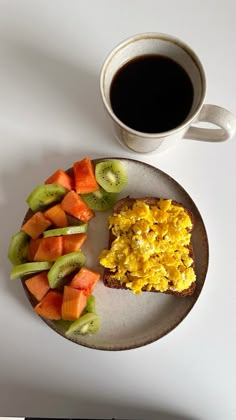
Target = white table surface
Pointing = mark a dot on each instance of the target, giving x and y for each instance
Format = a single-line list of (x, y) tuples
[(51, 115)]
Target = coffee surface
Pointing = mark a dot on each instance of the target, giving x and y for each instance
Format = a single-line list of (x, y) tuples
[(151, 94)]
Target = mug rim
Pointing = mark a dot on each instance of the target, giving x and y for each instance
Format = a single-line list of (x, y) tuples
[(155, 35)]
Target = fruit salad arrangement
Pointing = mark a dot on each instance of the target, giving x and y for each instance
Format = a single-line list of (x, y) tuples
[(46, 252)]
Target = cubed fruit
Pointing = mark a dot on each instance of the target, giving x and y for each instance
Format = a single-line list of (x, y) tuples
[(36, 225), (32, 249), (73, 304), (50, 306), (62, 178), (57, 216), (73, 242), (49, 249), (84, 176), (85, 280), (73, 204), (38, 285)]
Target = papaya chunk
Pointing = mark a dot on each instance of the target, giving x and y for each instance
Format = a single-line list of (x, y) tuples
[(50, 306), (60, 177), (38, 285), (73, 304), (84, 176), (85, 280), (36, 225), (32, 249), (49, 249), (57, 216), (72, 243), (73, 204)]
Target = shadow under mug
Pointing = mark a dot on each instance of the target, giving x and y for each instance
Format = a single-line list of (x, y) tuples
[(177, 50)]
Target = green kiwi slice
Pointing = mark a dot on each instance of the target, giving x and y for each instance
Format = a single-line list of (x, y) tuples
[(100, 200), (62, 324), (69, 230), (63, 266), (111, 175), (29, 268), (44, 195), (18, 248), (85, 325), (90, 305)]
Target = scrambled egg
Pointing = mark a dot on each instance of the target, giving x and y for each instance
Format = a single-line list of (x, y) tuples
[(151, 247)]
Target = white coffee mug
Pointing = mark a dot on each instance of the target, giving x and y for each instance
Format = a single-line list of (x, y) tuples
[(177, 50)]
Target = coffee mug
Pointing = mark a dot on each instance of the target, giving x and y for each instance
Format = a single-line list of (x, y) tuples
[(144, 119)]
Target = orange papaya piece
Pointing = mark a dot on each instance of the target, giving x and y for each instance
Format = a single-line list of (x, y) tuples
[(38, 285), (73, 204), (62, 178), (32, 248), (72, 243), (85, 280), (84, 176), (73, 303), (49, 249), (57, 216), (36, 225), (50, 306)]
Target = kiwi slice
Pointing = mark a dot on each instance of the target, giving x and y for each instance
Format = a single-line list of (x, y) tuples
[(85, 325), (62, 324), (63, 266), (69, 230), (44, 195), (100, 200), (111, 175), (18, 248), (29, 268), (90, 305)]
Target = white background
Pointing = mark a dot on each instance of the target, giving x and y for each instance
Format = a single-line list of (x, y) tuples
[(51, 115)]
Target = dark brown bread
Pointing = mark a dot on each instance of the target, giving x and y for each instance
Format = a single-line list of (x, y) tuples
[(109, 277)]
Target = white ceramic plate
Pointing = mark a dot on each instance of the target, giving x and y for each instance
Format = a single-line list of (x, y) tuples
[(128, 320)]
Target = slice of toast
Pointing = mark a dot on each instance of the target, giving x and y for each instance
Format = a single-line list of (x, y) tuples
[(109, 277)]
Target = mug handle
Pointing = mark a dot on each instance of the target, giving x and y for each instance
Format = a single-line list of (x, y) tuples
[(216, 115)]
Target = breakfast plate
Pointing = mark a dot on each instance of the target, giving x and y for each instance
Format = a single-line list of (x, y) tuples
[(127, 320)]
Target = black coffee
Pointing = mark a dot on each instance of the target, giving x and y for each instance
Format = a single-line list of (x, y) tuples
[(151, 93)]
